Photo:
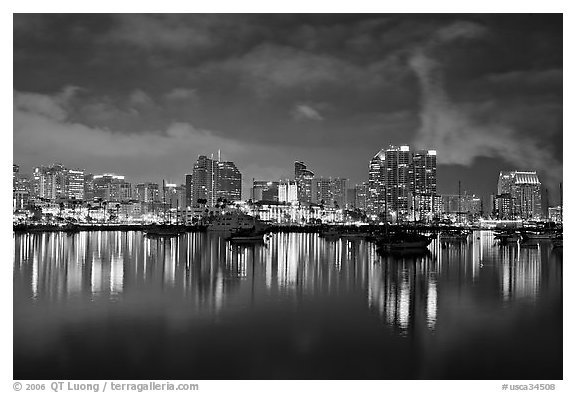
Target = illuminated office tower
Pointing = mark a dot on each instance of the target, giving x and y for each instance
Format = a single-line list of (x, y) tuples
[(376, 190), (303, 177), (520, 195), (229, 182), (21, 189), (288, 191), (50, 182), (399, 180), (360, 196), (188, 185), (424, 198), (75, 184), (204, 181), (111, 188), (147, 192)]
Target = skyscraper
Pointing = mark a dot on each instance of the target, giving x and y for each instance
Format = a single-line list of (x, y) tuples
[(147, 192), (399, 180), (212, 179), (360, 196), (288, 191), (376, 195), (229, 181), (50, 182), (111, 188), (523, 189), (188, 192), (424, 184), (303, 177), (75, 184), (204, 181)]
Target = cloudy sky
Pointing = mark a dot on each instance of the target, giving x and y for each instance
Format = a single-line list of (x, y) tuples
[(144, 95)]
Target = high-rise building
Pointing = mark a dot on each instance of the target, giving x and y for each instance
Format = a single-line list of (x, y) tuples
[(524, 190), (376, 195), (21, 189), (288, 191), (148, 192), (204, 181), (111, 188), (188, 185), (88, 187), (424, 196), (361, 196), (50, 182), (75, 184), (330, 191), (303, 177), (263, 190), (229, 181), (175, 195), (212, 179), (399, 180)]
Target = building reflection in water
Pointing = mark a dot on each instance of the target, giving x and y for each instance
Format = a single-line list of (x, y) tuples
[(407, 292)]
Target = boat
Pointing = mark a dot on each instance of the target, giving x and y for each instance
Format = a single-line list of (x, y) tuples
[(165, 230), (354, 235), (454, 235), (329, 234), (233, 222), (243, 236), (507, 236), (403, 242), (541, 235)]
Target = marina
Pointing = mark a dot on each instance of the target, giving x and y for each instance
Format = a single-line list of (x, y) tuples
[(161, 305)]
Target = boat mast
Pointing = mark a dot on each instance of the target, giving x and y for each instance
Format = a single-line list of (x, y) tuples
[(459, 202), (164, 199), (561, 205)]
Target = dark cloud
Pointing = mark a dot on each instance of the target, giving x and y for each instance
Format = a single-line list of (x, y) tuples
[(320, 87)]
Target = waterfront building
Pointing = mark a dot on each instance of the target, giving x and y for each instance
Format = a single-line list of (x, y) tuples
[(228, 182), (555, 214), (175, 195), (361, 196), (75, 184), (204, 181), (212, 179), (524, 191), (288, 191), (424, 197), (110, 187), (376, 196), (88, 187), (21, 189), (461, 207), (399, 180), (263, 190), (147, 192), (295, 214), (188, 184), (304, 178), (330, 191), (50, 182)]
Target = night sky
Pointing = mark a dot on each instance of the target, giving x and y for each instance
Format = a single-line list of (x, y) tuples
[(144, 95)]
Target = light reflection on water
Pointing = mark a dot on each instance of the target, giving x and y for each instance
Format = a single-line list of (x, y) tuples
[(438, 299)]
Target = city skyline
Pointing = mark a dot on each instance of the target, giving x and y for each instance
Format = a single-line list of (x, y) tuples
[(484, 91)]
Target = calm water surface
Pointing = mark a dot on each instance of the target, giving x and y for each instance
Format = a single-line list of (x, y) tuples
[(119, 305)]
